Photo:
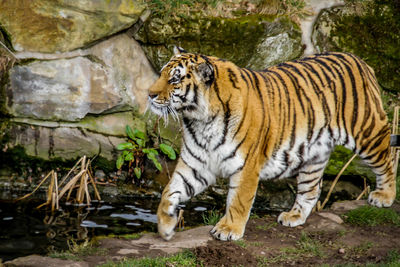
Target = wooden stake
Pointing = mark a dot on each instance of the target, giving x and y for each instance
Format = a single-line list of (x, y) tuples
[(336, 180)]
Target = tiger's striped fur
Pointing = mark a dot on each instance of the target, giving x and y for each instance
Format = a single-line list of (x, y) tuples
[(284, 121)]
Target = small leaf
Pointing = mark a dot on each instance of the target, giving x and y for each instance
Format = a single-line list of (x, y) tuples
[(150, 150), (140, 142), (120, 161), (153, 158), (168, 150), (158, 165), (123, 146), (129, 156), (139, 134), (151, 155), (129, 132), (138, 172)]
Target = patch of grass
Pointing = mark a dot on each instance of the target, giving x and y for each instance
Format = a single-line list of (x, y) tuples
[(211, 217), (186, 258), (77, 251), (362, 248), (305, 247), (254, 216), (266, 226), (372, 216), (241, 243), (257, 244)]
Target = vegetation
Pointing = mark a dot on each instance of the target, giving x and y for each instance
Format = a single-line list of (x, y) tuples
[(211, 217), (79, 182), (294, 9), (186, 258), (135, 150), (372, 216), (77, 251)]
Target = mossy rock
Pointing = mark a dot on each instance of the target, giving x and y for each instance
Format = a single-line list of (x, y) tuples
[(253, 41), (62, 25), (369, 29)]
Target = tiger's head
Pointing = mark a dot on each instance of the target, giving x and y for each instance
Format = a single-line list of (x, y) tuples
[(182, 86)]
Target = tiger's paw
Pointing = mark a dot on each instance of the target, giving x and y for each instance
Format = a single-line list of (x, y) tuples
[(167, 219), (291, 219), (381, 198), (227, 231)]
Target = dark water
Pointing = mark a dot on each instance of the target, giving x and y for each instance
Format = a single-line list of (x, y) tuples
[(25, 230)]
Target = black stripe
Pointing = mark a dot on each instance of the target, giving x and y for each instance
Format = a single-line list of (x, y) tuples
[(188, 125), (232, 78), (175, 192), (191, 152), (233, 154), (188, 187), (199, 178)]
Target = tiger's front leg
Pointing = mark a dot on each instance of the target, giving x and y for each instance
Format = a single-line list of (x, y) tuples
[(185, 183), (242, 190)]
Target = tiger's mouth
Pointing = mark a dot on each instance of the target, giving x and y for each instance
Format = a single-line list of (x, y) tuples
[(162, 109)]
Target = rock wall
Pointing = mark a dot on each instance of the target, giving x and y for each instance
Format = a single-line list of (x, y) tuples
[(84, 67), (76, 84)]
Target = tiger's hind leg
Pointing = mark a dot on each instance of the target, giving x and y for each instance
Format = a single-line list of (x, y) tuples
[(377, 155), (309, 183)]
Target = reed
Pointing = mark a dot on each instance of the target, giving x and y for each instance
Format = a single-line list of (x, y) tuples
[(79, 184)]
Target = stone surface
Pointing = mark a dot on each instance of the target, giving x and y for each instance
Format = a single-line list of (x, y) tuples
[(316, 222), (64, 25), (114, 76), (61, 142), (307, 23), (40, 261), (331, 216), (187, 239), (344, 206), (369, 29), (250, 41)]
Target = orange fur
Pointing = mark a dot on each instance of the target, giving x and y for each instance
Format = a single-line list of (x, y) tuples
[(280, 122)]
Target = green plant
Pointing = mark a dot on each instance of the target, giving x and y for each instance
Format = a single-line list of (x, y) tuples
[(135, 150), (241, 243), (372, 216), (77, 251), (185, 258), (211, 217)]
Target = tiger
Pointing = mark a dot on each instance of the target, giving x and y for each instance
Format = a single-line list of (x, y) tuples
[(280, 122)]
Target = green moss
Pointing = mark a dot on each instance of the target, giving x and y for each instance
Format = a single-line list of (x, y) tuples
[(186, 258), (234, 39), (371, 30), (339, 158), (372, 216)]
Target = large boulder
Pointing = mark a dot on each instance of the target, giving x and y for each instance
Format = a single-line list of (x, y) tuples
[(113, 75), (369, 29), (64, 25), (253, 41)]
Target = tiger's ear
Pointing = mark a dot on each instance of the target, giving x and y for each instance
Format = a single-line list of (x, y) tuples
[(179, 50), (206, 72)]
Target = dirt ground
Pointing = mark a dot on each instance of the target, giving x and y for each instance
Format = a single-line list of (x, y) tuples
[(267, 244), (324, 240)]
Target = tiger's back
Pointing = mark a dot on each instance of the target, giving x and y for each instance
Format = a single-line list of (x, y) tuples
[(284, 121)]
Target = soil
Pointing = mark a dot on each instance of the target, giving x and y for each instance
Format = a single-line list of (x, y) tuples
[(324, 240)]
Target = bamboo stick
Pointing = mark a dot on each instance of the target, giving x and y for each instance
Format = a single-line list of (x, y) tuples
[(336, 180), (37, 187)]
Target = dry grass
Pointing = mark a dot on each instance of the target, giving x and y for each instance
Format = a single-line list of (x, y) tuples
[(78, 183)]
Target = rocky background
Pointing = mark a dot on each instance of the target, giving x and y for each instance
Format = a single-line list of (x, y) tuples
[(75, 73)]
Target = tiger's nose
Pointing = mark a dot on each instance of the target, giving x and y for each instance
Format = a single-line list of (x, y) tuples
[(152, 96)]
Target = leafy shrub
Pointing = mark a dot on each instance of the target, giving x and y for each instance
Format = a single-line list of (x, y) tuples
[(135, 150)]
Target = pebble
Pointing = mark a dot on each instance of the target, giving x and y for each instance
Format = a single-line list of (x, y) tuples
[(341, 251)]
